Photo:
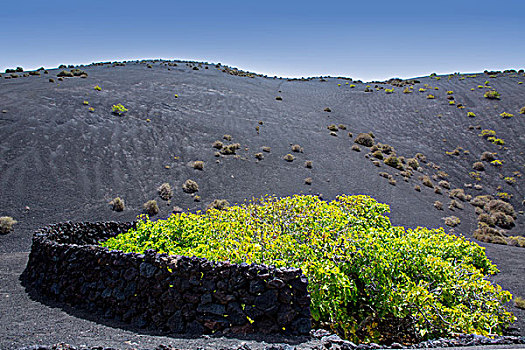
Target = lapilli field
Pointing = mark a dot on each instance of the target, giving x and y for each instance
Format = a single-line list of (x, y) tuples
[(363, 272)]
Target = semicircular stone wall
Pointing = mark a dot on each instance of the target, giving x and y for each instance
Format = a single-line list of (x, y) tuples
[(168, 294)]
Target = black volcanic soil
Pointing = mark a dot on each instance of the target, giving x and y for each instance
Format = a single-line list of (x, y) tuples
[(59, 161)]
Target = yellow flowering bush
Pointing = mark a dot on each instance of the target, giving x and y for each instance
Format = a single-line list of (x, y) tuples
[(361, 269)]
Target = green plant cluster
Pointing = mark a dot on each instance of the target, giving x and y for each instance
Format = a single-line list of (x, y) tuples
[(361, 269), (119, 109)]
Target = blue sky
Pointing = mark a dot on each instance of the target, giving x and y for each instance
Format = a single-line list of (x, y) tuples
[(361, 39)]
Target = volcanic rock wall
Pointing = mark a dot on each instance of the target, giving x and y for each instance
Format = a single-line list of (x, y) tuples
[(168, 294)]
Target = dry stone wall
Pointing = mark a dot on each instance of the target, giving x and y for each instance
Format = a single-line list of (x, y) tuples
[(168, 294)]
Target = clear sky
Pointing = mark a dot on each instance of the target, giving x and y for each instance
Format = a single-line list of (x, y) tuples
[(364, 39)]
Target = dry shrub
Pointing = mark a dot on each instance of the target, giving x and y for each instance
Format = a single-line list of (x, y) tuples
[(332, 127), (413, 163), (218, 144), (394, 162), (364, 140), (503, 220), (117, 204), (190, 186), (151, 207), (350, 134), (289, 157), (333, 133), (497, 205), (519, 302), (198, 164), (327, 109), (438, 205), (356, 148), (444, 184), (227, 137), (486, 219), (6, 224), (266, 149), (458, 193), (259, 156), (427, 182), (452, 221), (481, 201), (417, 188), (297, 148), (230, 149), (488, 156), (177, 210), (421, 157), (218, 204), (308, 164), (308, 181), (341, 127), (165, 192), (454, 204), (377, 154), (437, 190), (479, 166), (489, 235)]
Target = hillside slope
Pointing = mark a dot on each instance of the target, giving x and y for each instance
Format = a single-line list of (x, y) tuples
[(60, 161)]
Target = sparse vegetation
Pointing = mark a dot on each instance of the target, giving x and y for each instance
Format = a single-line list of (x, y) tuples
[(430, 97), (356, 148), (438, 205), (227, 137), (266, 149), (218, 204), (308, 181), (308, 164), (230, 149), (332, 127), (471, 114), (297, 148), (488, 156), (479, 166), (198, 164), (259, 156), (218, 144), (506, 115), (97, 88)]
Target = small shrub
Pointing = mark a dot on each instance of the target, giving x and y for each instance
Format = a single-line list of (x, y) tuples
[(364, 139), (503, 220), (297, 148), (51, 80), (198, 164), (471, 114), (393, 161), (506, 115), (452, 221), (407, 90), (421, 157), (450, 92), (327, 109), (479, 166), (190, 186), (97, 88), (356, 148), (378, 154), (289, 157), (65, 73), (259, 156), (266, 149), (119, 109), (488, 156), (341, 127), (332, 127), (218, 144), (350, 134), (389, 91), (165, 192), (218, 204), (519, 302), (151, 207), (117, 204), (438, 205), (487, 219), (230, 149), (492, 95), (308, 181), (417, 188), (6, 224), (454, 204), (427, 182), (422, 90), (413, 163), (522, 110), (308, 164), (430, 97), (444, 184), (486, 133), (279, 98), (458, 193), (497, 205)]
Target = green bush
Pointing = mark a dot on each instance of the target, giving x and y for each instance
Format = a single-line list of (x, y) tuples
[(363, 272), (492, 95), (119, 109)]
